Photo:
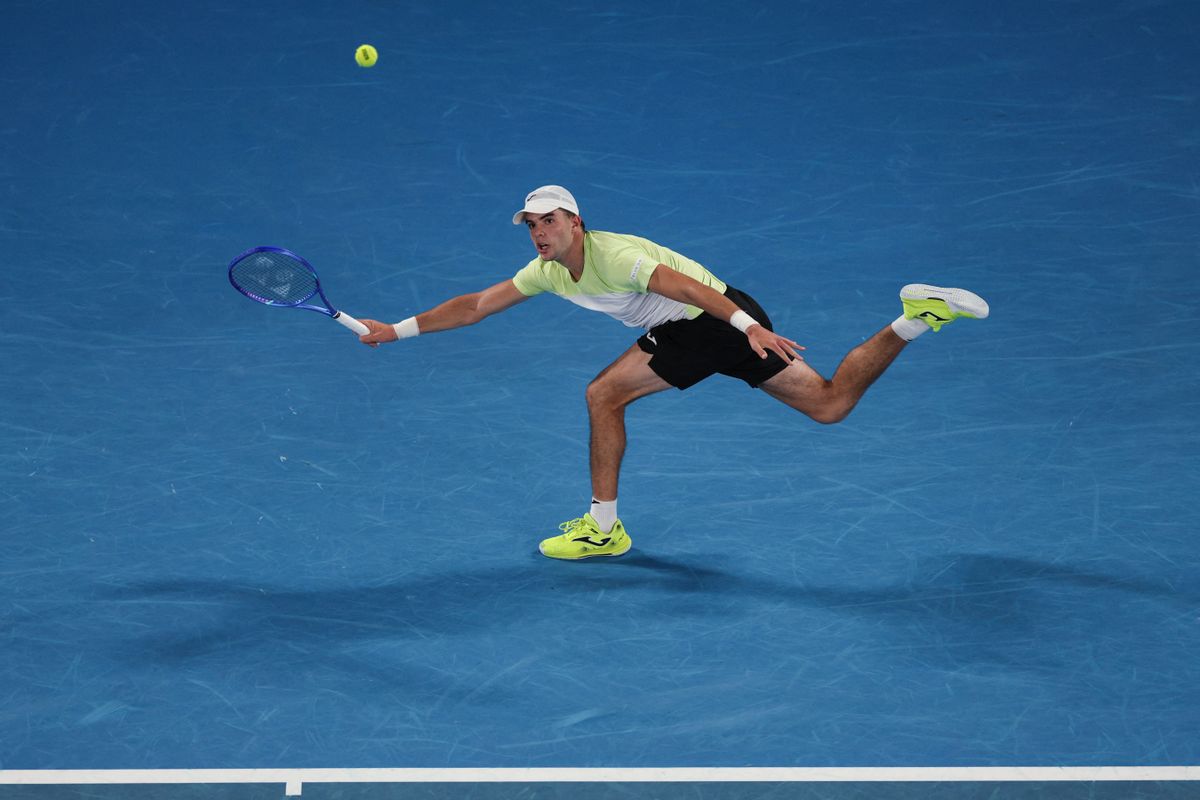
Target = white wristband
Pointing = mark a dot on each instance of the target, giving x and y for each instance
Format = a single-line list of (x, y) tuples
[(741, 320), (406, 329)]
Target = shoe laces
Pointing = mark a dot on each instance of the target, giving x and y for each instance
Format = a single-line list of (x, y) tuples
[(572, 525)]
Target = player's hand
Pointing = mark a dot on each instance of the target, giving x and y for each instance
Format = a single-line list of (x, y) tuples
[(380, 332), (763, 340)]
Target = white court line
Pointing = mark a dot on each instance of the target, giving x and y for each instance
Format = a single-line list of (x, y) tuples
[(294, 779)]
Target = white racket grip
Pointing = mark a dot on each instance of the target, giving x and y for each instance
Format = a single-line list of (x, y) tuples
[(351, 323)]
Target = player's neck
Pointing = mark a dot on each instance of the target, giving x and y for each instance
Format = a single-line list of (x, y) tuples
[(574, 259)]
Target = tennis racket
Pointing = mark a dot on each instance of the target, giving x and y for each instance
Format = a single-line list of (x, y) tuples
[(277, 277)]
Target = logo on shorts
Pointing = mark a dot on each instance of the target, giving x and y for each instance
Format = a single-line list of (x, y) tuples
[(650, 336)]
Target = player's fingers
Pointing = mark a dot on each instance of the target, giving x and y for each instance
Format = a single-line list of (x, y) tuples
[(786, 349), (379, 333), (786, 353)]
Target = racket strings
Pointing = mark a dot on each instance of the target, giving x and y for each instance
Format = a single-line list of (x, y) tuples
[(274, 278)]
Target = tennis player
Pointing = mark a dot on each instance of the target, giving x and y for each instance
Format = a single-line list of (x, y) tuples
[(695, 325)]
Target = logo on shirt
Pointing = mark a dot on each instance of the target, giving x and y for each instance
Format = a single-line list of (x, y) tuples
[(637, 267)]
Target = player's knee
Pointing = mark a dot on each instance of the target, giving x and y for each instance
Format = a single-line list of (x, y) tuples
[(602, 394), (831, 413), (598, 393)]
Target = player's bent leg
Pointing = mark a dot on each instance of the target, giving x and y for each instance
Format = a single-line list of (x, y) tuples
[(802, 387), (619, 384), (830, 401), (626, 379)]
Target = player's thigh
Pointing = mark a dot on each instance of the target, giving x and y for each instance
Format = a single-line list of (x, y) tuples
[(627, 378), (799, 386)]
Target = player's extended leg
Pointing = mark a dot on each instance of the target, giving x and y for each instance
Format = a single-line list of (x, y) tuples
[(925, 307), (618, 385)]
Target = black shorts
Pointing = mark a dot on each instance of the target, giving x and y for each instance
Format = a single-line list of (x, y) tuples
[(687, 351)]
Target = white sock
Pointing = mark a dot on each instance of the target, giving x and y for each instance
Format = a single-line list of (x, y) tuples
[(604, 513), (909, 329)]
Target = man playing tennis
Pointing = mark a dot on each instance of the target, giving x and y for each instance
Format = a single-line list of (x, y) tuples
[(695, 325)]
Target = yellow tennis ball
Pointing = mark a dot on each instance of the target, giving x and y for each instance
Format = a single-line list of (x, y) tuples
[(366, 56)]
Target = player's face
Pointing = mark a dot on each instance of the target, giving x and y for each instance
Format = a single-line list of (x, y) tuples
[(551, 233)]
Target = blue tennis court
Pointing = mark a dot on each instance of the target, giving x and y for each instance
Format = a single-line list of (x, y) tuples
[(246, 556)]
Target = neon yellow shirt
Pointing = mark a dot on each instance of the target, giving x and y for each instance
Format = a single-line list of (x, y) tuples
[(616, 275)]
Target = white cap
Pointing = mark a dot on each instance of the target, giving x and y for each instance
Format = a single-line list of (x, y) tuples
[(545, 199)]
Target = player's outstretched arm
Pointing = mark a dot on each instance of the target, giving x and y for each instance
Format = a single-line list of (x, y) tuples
[(457, 312)]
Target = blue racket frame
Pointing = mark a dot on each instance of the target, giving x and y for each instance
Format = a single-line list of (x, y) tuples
[(327, 309)]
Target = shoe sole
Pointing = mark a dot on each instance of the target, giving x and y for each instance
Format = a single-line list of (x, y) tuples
[(628, 544), (960, 301)]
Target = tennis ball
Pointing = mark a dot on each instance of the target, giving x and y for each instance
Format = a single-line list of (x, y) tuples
[(366, 56)]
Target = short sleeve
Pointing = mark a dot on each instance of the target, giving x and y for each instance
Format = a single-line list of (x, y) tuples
[(529, 279), (641, 267)]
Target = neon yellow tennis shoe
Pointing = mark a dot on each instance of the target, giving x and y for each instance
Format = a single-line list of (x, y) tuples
[(936, 306), (582, 538)]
